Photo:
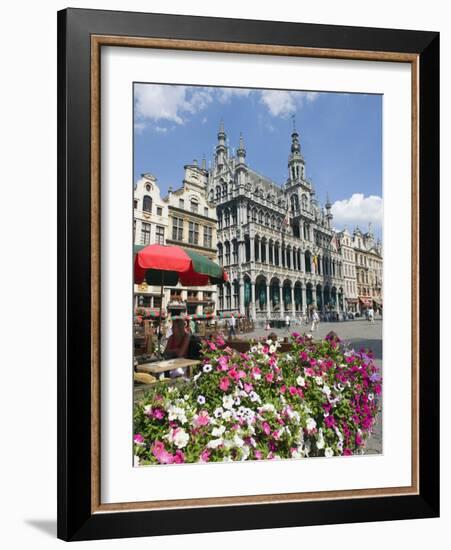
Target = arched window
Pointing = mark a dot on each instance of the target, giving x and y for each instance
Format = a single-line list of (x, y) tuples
[(260, 216), (147, 203), (227, 217), (304, 202), (218, 192)]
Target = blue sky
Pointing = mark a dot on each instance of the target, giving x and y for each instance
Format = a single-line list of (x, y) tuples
[(340, 135)]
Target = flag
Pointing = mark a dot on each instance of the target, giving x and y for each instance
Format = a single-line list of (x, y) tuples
[(315, 263), (286, 220)]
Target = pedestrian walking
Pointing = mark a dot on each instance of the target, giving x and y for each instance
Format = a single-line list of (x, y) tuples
[(232, 325), (315, 321), (371, 315), (287, 322)]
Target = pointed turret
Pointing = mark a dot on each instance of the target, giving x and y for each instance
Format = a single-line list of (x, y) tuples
[(221, 148), (241, 151), (295, 160), (241, 168), (328, 211)]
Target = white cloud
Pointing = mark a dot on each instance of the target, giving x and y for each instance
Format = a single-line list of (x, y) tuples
[(168, 103), (226, 94), (139, 127), (358, 210), (284, 103)]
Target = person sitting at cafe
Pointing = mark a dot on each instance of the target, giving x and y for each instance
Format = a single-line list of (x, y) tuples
[(177, 345), (178, 342)]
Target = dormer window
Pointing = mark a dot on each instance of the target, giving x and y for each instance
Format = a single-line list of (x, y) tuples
[(147, 203)]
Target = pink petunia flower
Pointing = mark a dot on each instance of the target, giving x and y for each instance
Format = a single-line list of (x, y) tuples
[(266, 428), (224, 383), (205, 455), (203, 419), (158, 414), (179, 457), (138, 439)]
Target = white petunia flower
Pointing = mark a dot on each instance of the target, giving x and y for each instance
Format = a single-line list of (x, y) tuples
[(300, 381), (218, 412), (215, 443), (328, 452), (227, 415), (238, 441), (319, 380), (339, 434), (254, 397), (217, 432), (180, 438), (311, 424), (326, 390), (227, 401), (320, 440), (207, 368), (201, 400)]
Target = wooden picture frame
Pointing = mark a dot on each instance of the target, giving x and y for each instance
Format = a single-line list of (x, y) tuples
[(81, 35)]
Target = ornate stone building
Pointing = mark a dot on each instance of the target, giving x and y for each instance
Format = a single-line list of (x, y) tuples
[(346, 246), (150, 225), (368, 260), (192, 224), (183, 218), (276, 242)]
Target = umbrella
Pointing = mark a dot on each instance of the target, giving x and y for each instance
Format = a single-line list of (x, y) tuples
[(160, 264), (156, 263)]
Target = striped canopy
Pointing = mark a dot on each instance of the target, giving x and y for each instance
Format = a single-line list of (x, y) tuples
[(161, 264)]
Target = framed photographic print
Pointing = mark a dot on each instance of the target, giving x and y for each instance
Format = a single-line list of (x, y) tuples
[(248, 274)]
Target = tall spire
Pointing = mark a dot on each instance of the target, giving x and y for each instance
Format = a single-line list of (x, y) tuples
[(221, 132), (328, 203), (328, 211), (221, 148), (241, 151), (295, 160)]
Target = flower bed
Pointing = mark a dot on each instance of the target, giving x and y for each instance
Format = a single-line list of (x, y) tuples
[(318, 399)]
